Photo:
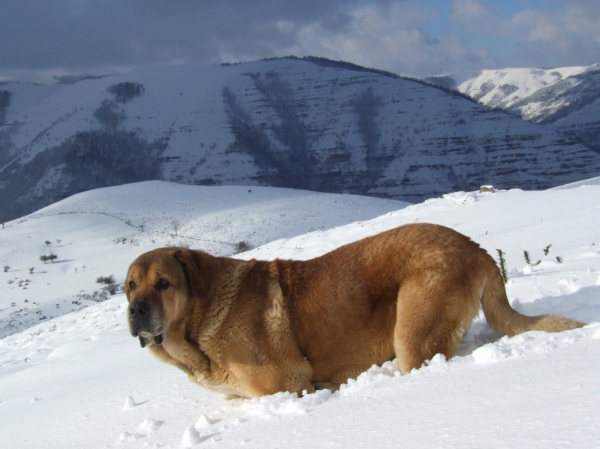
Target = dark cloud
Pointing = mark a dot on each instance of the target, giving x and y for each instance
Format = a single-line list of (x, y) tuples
[(395, 35), (74, 33)]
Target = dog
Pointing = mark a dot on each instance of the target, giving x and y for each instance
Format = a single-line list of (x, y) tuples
[(253, 328)]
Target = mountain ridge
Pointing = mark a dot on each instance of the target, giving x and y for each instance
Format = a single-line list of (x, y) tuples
[(567, 98), (304, 123)]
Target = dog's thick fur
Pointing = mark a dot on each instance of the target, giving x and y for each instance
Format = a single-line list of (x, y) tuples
[(252, 328)]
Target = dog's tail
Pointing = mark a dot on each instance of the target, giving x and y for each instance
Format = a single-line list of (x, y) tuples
[(504, 319)]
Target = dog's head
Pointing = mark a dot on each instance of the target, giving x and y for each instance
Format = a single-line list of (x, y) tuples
[(160, 287)]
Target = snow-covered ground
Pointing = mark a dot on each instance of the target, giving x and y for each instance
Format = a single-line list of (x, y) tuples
[(80, 380), (99, 233)]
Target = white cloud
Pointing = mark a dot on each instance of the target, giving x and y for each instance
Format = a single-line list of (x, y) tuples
[(583, 18), (559, 37), (390, 37), (474, 15), (563, 33), (534, 26)]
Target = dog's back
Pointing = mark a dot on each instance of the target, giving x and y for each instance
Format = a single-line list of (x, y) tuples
[(410, 292)]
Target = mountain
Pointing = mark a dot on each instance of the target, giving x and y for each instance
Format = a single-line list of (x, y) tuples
[(567, 97), (79, 380), (504, 87), (300, 123)]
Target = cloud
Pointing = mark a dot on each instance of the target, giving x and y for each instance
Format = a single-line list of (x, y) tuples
[(80, 35), (42, 34), (404, 36), (390, 36), (474, 15), (533, 26), (540, 34), (563, 37)]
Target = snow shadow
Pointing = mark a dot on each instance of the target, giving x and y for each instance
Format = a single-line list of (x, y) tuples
[(63, 261), (582, 305)]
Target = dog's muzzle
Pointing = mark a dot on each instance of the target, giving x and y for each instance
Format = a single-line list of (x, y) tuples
[(139, 318), (142, 324)]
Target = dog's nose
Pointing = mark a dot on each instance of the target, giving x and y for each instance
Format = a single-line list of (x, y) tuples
[(139, 310)]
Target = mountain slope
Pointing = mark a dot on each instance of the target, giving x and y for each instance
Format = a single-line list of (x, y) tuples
[(503, 88), (567, 97), (98, 234), (310, 124)]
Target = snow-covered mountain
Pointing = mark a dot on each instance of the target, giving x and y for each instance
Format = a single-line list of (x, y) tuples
[(80, 380), (300, 123), (503, 88), (565, 97)]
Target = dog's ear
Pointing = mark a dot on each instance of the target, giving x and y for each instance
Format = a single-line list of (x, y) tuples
[(197, 268)]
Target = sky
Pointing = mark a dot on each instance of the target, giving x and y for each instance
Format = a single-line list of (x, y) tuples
[(410, 37)]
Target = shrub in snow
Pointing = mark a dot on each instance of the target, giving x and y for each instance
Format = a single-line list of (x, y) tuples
[(105, 280), (528, 259), (48, 257), (125, 91), (5, 96), (242, 246), (109, 115), (175, 225), (503, 269), (111, 287), (97, 296)]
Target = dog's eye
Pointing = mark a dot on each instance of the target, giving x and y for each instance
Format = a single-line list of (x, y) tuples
[(131, 285), (163, 284)]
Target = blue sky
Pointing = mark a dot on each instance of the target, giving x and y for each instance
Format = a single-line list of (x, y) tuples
[(503, 47), (412, 37)]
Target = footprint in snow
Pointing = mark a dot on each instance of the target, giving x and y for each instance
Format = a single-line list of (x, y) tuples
[(145, 428), (149, 425)]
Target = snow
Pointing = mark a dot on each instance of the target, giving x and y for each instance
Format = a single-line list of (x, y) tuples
[(489, 87), (80, 380)]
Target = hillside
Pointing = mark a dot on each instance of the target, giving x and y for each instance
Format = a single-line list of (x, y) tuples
[(503, 88), (80, 380), (297, 123), (566, 97), (98, 233)]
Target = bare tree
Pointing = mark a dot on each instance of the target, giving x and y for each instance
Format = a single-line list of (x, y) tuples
[(175, 225)]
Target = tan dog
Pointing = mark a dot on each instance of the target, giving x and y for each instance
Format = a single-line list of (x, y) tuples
[(252, 328)]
